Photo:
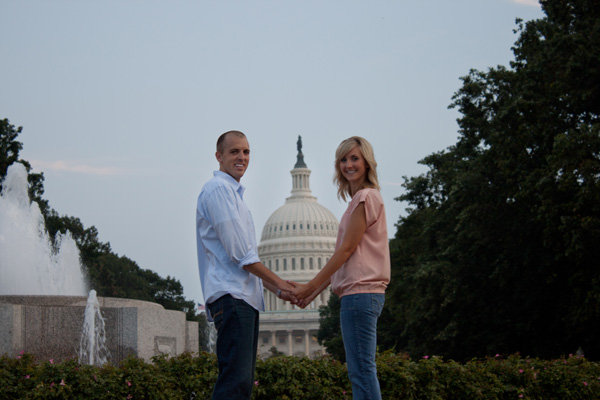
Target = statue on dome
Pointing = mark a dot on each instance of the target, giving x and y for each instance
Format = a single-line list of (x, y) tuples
[(300, 158)]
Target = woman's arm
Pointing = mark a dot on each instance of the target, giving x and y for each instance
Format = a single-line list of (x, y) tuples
[(353, 235)]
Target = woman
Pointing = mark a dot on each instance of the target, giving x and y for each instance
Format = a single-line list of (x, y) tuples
[(359, 269)]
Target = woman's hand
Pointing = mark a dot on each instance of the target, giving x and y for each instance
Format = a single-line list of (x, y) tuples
[(305, 302), (303, 291)]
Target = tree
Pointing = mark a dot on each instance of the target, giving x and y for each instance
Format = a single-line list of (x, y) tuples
[(273, 352), (86, 238), (9, 153), (9, 146), (330, 334), (499, 250)]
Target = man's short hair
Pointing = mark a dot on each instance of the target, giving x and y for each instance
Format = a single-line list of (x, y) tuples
[(221, 139)]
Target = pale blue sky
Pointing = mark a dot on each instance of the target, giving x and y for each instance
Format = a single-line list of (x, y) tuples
[(121, 102)]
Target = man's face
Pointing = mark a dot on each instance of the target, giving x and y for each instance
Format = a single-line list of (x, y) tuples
[(235, 156)]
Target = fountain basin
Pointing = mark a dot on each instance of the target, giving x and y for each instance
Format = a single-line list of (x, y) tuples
[(49, 327)]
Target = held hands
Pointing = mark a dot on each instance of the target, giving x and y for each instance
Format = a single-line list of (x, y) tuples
[(298, 294), (286, 293), (304, 302), (304, 293)]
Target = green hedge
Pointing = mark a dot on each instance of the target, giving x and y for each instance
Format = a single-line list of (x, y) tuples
[(192, 377)]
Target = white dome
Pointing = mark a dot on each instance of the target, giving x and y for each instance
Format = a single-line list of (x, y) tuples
[(301, 227), (300, 216), (299, 237), (296, 242)]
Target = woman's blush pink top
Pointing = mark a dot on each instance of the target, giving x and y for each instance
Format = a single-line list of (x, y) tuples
[(368, 268)]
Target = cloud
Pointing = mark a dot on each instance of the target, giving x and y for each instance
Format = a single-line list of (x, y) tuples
[(534, 3), (69, 166)]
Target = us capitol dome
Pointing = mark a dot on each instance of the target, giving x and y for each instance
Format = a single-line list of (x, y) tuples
[(296, 242)]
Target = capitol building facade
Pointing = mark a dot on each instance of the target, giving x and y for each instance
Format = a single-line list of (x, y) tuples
[(296, 242)]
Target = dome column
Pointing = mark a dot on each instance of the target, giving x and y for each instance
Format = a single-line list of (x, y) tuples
[(306, 342)]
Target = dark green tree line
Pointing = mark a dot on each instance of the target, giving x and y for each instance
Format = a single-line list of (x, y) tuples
[(499, 251)]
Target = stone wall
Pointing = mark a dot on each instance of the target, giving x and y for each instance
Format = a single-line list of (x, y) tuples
[(49, 327)]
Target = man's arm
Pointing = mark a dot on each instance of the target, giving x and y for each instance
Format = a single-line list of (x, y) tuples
[(236, 238), (270, 279), (284, 295), (225, 220)]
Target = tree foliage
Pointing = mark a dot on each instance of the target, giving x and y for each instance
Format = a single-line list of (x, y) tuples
[(10, 148), (330, 335), (499, 250)]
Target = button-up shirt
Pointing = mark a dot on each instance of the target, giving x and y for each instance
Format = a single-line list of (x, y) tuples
[(226, 242)]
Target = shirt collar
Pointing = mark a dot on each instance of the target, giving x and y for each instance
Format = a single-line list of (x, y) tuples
[(238, 187)]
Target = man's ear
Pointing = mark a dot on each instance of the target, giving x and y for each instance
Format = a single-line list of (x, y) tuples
[(218, 156)]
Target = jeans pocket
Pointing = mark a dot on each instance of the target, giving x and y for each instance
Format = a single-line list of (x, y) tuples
[(216, 311), (377, 301)]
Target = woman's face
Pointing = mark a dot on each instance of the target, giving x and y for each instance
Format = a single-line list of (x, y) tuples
[(354, 167)]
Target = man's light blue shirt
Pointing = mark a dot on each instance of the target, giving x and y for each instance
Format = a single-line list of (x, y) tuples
[(226, 242)]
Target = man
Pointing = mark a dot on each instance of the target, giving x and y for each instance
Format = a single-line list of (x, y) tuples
[(231, 273)]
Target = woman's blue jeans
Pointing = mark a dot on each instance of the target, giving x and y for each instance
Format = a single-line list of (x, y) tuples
[(358, 319), (237, 339)]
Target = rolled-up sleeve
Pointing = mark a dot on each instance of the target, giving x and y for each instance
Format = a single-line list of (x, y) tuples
[(232, 227)]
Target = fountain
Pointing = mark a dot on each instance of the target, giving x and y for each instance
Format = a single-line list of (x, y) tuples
[(211, 334), (44, 268), (92, 347), (43, 303)]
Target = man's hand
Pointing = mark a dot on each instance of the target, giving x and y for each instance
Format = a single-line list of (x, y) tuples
[(287, 294)]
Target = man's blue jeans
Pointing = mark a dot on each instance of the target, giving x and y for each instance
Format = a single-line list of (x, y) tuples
[(237, 339), (358, 319)]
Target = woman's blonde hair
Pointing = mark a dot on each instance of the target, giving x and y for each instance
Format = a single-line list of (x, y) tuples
[(366, 150)]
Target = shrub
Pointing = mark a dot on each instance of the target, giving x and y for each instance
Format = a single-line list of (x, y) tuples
[(289, 378)]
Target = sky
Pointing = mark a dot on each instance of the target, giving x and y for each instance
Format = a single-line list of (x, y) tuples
[(121, 102)]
